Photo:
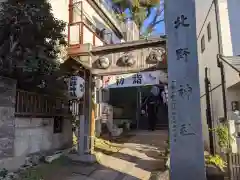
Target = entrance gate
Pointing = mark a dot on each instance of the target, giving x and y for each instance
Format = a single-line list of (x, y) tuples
[(136, 57), (141, 83)]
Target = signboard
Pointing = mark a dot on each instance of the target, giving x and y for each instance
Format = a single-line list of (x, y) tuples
[(185, 124), (76, 87), (135, 79)]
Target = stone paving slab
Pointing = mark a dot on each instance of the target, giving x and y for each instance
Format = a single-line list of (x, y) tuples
[(139, 173), (136, 161), (79, 177), (83, 169), (104, 174), (130, 178), (117, 162)]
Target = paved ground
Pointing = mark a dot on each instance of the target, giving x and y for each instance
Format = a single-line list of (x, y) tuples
[(139, 157)]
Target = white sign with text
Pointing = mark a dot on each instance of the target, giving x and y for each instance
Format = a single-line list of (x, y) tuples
[(135, 79)]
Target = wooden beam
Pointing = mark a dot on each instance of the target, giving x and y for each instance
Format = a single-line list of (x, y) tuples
[(127, 46)]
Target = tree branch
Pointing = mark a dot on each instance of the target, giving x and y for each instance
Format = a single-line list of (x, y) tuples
[(155, 20)]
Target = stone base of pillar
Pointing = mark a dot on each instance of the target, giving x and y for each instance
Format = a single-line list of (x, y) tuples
[(85, 158)]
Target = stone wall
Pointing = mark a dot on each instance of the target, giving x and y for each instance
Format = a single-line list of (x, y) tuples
[(21, 136), (7, 110), (34, 135)]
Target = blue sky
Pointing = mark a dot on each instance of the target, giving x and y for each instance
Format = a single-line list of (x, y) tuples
[(160, 28)]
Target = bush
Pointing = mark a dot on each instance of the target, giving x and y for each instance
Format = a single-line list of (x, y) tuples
[(223, 135), (209, 159), (216, 160)]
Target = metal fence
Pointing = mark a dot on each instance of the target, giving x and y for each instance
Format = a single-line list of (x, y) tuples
[(35, 105)]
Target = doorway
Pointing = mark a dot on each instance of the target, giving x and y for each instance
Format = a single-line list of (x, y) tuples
[(124, 102), (129, 102), (161, 108)]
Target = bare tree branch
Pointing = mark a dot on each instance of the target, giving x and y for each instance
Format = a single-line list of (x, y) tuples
[(155, 20)]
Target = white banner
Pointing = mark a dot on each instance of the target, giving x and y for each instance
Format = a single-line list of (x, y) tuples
[(135, 79)]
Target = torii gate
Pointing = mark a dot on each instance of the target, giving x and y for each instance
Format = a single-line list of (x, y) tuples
[(186, 141), (135, 57)]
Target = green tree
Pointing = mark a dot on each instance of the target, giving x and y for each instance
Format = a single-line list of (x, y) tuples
[(30, 40), (139, 11)]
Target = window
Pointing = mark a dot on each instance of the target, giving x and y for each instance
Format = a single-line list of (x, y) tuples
[(209, 32), (203, 43), (58, 124)]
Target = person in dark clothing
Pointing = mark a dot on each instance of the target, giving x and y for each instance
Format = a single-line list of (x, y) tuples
[(151, 111)]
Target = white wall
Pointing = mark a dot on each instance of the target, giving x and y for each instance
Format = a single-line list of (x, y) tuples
[(36, 134), (226, 15), (60, 10), (98, 42), (208, 59), (205, 14), (31, 137), (229, 29), (87, 36), (202, 8)]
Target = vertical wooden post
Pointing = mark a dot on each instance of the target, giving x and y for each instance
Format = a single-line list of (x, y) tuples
[(82, 119), (139, 105), (186, 141), (91, 115)]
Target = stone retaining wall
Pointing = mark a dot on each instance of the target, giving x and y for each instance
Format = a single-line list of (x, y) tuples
[(21, 136), (7, 110)]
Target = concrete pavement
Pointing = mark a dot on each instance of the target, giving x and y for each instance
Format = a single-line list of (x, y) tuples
[(138, 158)]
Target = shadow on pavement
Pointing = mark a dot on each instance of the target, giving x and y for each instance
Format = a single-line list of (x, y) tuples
[(155, 139), (97, 172), (147, 163), (70, 170), (141, 154)]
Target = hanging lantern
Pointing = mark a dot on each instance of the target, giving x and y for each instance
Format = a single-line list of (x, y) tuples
[(76, 87)]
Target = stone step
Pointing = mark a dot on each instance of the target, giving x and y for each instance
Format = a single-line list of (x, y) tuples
[(161, 126)]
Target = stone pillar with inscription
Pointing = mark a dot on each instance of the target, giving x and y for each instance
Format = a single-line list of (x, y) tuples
[(186, 140)]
